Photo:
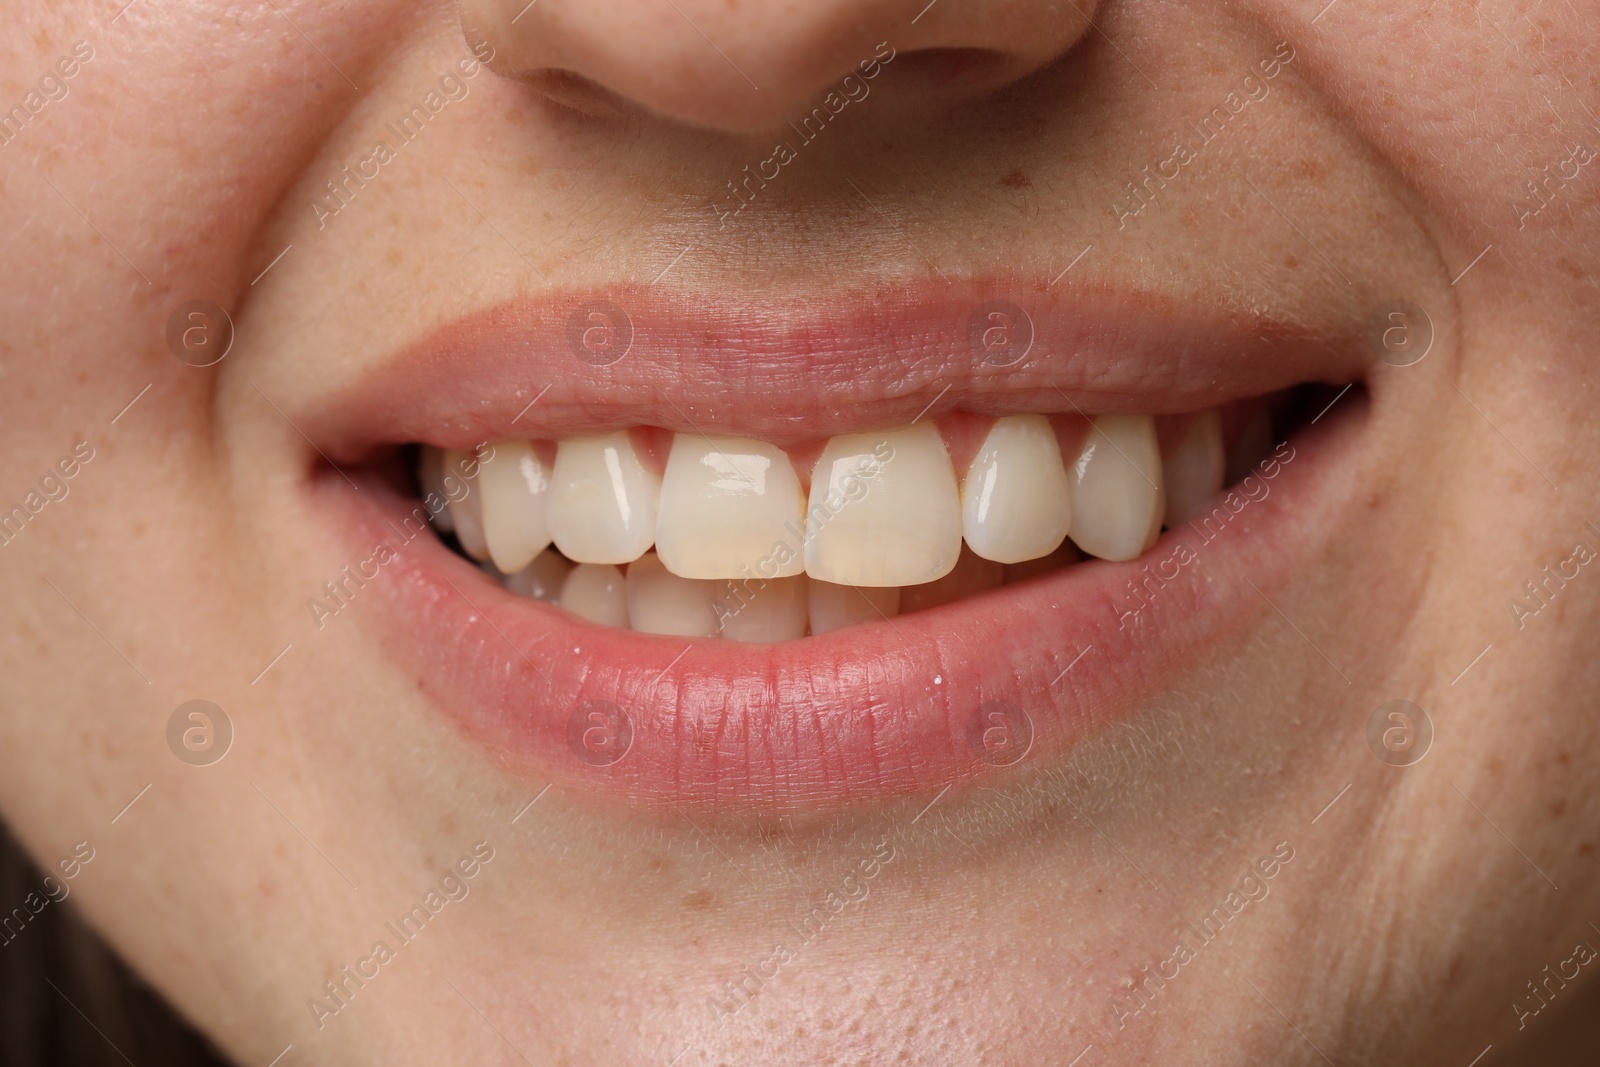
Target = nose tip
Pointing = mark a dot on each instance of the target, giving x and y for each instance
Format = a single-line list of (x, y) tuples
[(746, 67)]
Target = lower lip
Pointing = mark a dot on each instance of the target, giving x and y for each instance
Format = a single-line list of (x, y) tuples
[(879, 711)]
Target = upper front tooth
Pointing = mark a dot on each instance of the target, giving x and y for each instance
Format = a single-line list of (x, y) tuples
[(1193, 468), (726, 504), (1016, 503), (1116, 487), (466, 514), (884, 509), (515, 485), (603, 500)]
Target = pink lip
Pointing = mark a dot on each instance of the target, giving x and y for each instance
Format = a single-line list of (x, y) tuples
[(889, 709)]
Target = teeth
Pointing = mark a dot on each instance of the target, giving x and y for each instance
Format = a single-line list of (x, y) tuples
[(1193, 468), (884, 510), (659, 602), (833, 607), (467, 513), (596, 592), (725, 503), (1016, 502), (1116, 488), (603, 500), (515, 488), (742, 553), (542, 579), (757, 611), (430, 476), (1061, 557), (972, 575)]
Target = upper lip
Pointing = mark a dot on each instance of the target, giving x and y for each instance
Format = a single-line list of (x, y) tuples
[(792, 370)]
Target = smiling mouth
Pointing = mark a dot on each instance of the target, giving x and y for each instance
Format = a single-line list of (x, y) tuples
[(779, 561), (701, 536)]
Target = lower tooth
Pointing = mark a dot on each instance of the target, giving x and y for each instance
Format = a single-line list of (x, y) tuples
[(1116, 488), (596, 591), (659, 602), (833, 607), (1061, 557), (467, 512), (763, 611), (972, 575), (1192, 470), (542, 579)]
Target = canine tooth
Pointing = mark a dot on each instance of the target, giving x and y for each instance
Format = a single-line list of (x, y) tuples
[(596, 591), (430, 478), (726, 503), (1193, 467), (603, 500), (833, 607), (972, 575), (516, 503), (1016, 503), (466, 514), (659, 602), (542, 579), (884, 510), (758, 611), (1116, 488)]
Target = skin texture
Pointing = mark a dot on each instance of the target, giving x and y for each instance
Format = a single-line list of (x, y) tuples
[(1385, 163)]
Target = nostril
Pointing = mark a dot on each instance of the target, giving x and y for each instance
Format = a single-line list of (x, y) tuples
[(955, 68), (925, 72), (573, 90)]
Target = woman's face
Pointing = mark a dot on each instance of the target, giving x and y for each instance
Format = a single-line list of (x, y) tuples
[(1154, 805)]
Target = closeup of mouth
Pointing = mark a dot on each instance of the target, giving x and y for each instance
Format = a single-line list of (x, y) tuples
[(767, 557)]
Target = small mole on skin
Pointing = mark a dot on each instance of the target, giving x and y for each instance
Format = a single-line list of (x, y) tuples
[(1017, 179)]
